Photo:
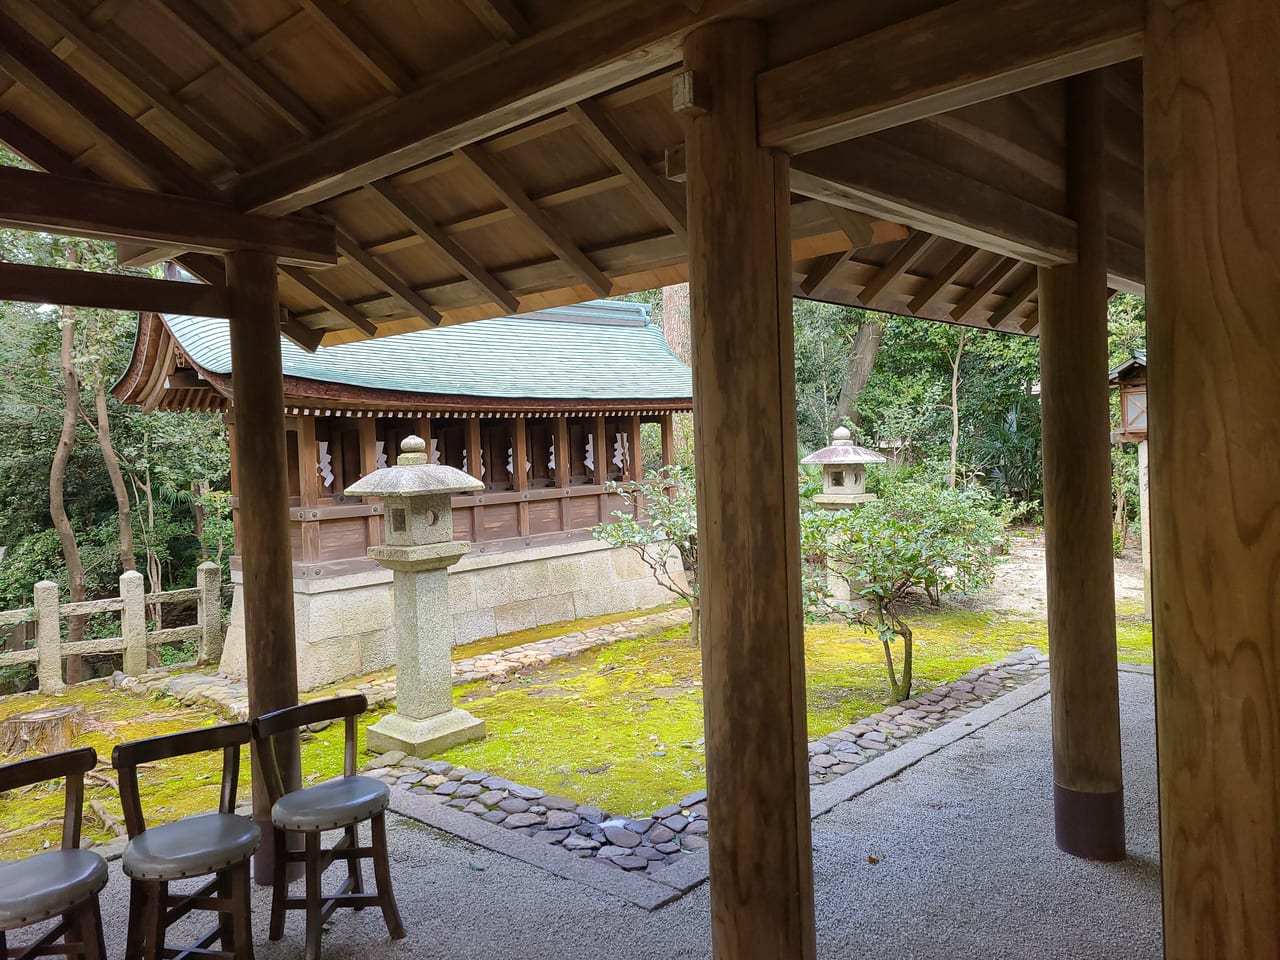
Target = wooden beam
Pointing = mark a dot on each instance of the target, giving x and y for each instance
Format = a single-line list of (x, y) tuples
[(607, 140), (307, 338), (942, 279), (965, 52), (35, 66), (109, 291), (30, 200), (376, 272), (861, 231), (256, 78), (444, 246), (898, 264), (129, 71), (262, 533), (552, 234), (501, 18), (983, 287), (1088, 795), (360, 42), (1211, 81), (1021, 294), (346, 311), (748, 520), (598, 49), (885, 180), (36, 149)]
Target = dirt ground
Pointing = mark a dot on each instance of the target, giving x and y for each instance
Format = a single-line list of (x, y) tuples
[(1019, 586)]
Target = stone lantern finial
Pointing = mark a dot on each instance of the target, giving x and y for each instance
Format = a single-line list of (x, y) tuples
[(841, 435), (413, 451)]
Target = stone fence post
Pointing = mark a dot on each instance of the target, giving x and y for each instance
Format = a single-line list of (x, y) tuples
[(209, 580), (48, 638), (133, 622)]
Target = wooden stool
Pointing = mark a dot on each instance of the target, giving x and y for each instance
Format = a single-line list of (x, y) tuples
[(341, 804), (208, 843), (63, 882)]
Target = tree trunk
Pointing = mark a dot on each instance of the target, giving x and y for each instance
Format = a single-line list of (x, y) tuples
[(124, 514), (955, 409), (57, 479), (861, 360), (41, 731), (695, 626)]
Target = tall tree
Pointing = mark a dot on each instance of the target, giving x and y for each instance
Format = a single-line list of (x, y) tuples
[(57, 481), (862, 359)]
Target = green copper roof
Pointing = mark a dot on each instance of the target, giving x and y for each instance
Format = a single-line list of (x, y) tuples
[(600, 350)]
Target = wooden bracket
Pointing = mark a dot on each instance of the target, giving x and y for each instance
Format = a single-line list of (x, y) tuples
[(690, 94)]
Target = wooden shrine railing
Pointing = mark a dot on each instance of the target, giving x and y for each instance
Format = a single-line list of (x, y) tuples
[(135, 638)]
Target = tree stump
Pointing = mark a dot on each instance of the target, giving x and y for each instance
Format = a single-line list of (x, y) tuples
[(41, 731)]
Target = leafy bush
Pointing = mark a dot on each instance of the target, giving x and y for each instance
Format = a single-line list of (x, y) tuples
[(918, 540), (660, 525)]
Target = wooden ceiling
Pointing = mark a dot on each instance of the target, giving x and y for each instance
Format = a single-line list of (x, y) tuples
[(485, 157)]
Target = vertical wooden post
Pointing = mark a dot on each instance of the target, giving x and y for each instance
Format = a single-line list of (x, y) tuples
[(48, 638), (309, 488), (258, 394), (133, 622), (563, 454), (748, 512), (602, 451), (1088, 796), (668, 439), (1211, 82), (1144, 523), (475, 456), (368, 427), (635, 467), (520, 476)]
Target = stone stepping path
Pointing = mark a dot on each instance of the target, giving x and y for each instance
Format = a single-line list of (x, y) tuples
[(230, 697), (672, 832)]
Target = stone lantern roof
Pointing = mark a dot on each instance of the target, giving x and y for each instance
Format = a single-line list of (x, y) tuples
[(844, 451)]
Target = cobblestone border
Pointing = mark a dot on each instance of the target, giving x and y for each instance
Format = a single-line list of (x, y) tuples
[(230, 697)]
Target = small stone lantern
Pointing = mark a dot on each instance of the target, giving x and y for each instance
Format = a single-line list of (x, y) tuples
[(844, 479), (420, 549)]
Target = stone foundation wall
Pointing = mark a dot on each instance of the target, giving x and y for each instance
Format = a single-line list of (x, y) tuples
[(344, 624)]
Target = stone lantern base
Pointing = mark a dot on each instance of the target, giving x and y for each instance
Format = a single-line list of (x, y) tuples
[(423, 738)]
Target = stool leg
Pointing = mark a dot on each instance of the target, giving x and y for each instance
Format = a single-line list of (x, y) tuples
[(313, 895), (89, 920), (382, 876), (136, 940), (226, 919), (241, 920), (279, 884), (353, 864), (154, 922)]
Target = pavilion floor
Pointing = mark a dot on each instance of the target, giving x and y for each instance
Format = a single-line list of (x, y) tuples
[(966, 867)]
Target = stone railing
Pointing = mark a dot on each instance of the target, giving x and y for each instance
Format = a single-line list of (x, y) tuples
[(134, 640)]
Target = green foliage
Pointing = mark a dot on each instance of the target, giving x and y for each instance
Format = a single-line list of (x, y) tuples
[(660, 525), (918, 540)]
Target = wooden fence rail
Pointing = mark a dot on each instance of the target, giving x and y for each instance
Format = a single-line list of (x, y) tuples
[(134, 640)]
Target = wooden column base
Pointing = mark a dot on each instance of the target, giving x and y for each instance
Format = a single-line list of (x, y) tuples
[(1089, 825)]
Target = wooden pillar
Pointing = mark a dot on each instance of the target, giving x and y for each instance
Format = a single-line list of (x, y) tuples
[(258, 395), (520, 476), (635, 466), (748, 512), (1088, 796), (309, 488), (1211, 82), (602, 451), (368, 427), (475, 455), (564, 456), (668, 439)]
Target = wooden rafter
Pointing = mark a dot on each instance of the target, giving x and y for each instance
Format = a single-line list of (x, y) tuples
[(1032, 323), (898, 264), (552, 234), (940, 280), (501, 18), (213, 270), (126, 67), (31, 200), (354, 35), (38, 68), (36, 149), (107, 291), (444, 245), (602, 47), (607, 140), (977, 50), (313, 286), (983, 287), (378, 273), (254, 76), (860, 231), (1020, 295)]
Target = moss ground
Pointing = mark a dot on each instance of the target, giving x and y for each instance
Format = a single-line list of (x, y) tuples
[(620, 727)]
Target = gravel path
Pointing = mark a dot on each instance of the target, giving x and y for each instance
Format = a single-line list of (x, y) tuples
[(966, 867)]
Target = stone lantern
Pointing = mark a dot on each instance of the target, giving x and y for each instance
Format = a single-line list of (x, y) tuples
[(419, 549), (844, 479)]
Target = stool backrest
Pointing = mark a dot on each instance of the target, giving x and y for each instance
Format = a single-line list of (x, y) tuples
[(127, 757), (71, 765), (270, 725)]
